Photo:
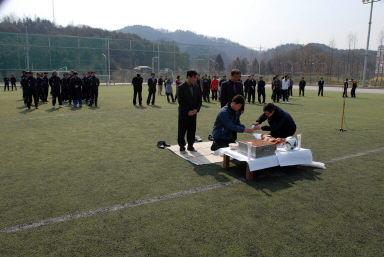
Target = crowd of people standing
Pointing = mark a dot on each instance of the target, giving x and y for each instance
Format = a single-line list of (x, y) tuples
[(70, 89)]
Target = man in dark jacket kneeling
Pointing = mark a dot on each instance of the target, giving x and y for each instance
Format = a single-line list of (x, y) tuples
[(281, 124), (227, 122)]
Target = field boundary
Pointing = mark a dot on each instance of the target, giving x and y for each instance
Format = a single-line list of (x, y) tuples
[(118, 207)]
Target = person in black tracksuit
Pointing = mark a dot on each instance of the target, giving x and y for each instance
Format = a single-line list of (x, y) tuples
[(65, 87), (290, 88), (39, 81), (281, 124), (246, 88), (353, 90), (160, 84), (345, 91), (321, 87), (56, 89), (190, 101), (152, 82), (32, 91), (261, 90), (137, 83), (251, 90), (13, 82), (6, 83), (276, 89), (302, 85), (76, 85), (206, 88), (94, 84), (45, 86), (85, 88), (23, 84)]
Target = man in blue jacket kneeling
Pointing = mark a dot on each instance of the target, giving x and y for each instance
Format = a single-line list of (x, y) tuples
[(227, 124)]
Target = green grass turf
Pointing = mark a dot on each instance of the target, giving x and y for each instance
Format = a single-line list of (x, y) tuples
[(66, 161)]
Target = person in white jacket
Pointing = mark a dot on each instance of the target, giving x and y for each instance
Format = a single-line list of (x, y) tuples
[(285, 86)]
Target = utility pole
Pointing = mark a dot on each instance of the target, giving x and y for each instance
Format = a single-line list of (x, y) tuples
[(27, 45), (158, 58), (260, 60), (53, 11), (369, 34), (109, 64)]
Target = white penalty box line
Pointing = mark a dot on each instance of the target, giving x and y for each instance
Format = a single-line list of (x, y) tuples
[(113, 208)]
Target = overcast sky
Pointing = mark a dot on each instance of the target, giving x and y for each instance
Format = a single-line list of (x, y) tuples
[(250, 22)]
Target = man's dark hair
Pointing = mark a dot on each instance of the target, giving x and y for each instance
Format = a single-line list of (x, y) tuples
[(238, 99), (138, 75), (152, 73), (191, 73), (269, 107), (235, 72)]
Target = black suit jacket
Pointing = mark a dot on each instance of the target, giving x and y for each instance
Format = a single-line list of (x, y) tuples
[(227, 92), (187, 101), (152, 84)]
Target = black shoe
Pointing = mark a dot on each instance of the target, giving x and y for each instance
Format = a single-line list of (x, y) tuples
[(182, 150), (160, 144), (210, 138), (191, 149)]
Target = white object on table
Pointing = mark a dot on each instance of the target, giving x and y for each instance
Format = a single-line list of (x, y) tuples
[(299, 141), (281, 157)]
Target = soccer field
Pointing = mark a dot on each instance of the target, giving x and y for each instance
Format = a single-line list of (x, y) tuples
[(57, 162)]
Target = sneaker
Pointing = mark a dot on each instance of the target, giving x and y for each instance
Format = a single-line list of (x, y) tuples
[(287, 102), (61, 106), (54, 107), (182, 150)]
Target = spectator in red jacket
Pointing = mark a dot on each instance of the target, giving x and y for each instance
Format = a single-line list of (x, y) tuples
[(214, 87)]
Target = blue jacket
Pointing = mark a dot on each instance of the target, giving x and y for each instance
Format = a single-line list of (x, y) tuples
[(227, 122)]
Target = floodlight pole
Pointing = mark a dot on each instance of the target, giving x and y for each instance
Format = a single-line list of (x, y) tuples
[(369, 34), (109, 64), (53, 11)]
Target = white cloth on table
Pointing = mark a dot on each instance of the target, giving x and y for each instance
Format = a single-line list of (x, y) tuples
[(282, 157)]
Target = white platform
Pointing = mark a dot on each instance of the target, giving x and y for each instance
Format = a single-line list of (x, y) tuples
[(281, 158)]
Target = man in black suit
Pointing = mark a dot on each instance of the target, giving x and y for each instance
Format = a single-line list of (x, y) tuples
[(302, 85), (231, 88), (321, 87), (152, 82), (261, 90), (251, 90), (190, 101), (137, 83)]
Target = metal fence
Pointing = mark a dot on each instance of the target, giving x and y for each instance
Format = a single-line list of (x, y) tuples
[(114, 60)]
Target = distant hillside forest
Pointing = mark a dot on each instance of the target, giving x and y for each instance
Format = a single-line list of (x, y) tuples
[(42, 45)]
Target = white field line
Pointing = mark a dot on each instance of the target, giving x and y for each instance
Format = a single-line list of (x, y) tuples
[(151, 200)]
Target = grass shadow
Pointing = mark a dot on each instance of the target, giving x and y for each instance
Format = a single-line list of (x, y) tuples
[(140, 107), (267, 180), (156, 106), (52, 109), (280, 178), (27, 110)]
